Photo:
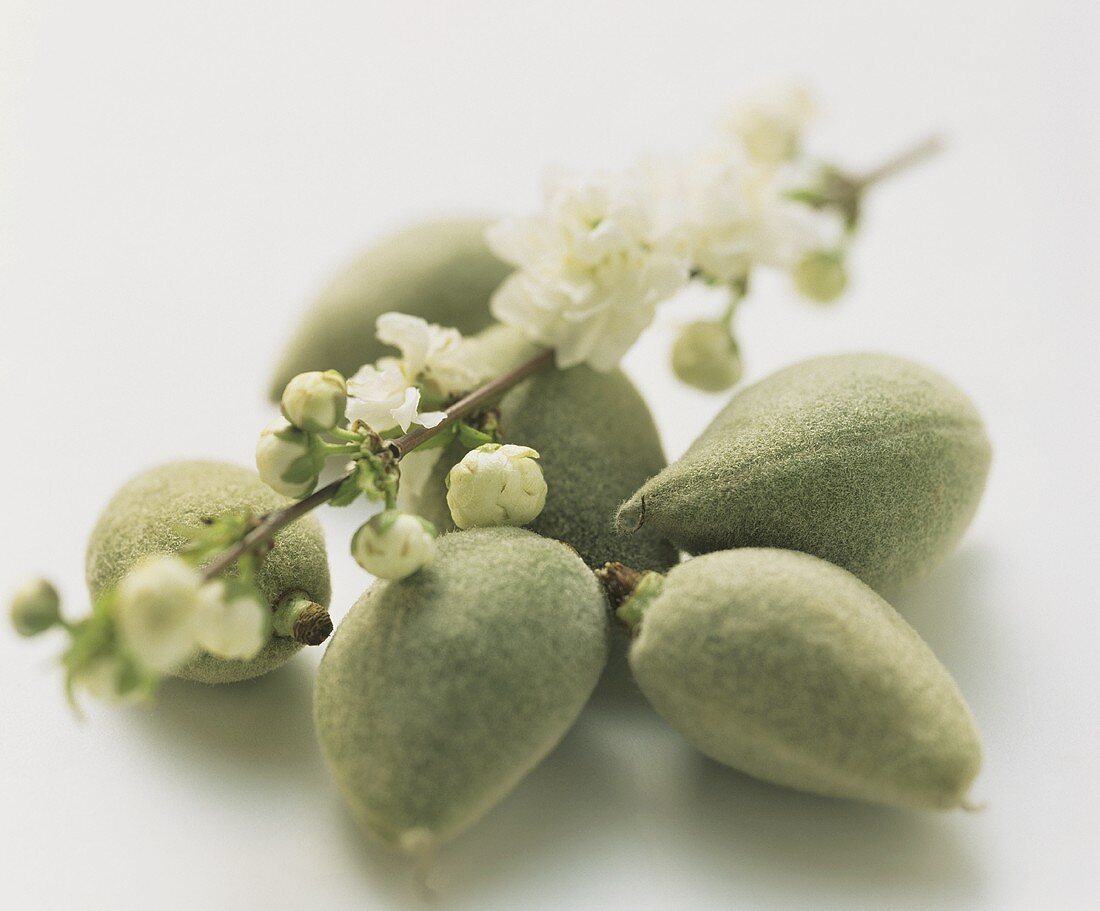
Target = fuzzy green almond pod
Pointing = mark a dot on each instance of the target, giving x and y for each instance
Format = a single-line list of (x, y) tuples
[(792, 670), (145, 516), (596, 441), (441, 691), (870, 461), (439, 270)]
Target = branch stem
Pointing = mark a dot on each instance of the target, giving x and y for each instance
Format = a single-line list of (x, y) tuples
[(274, 522), (902, 161)]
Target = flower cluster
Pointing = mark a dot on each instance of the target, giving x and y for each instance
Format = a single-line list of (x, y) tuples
[(325, 416), (591, 269), (593, 265)]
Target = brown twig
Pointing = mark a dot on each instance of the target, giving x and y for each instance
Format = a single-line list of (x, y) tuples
[(270, 525), (900, 162)]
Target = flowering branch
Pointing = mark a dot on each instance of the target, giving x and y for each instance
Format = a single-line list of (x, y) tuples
[(395, 449)]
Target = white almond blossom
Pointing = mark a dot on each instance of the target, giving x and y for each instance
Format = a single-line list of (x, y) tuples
[(770, 125), (591, 269), (386, 394), (429, 352), (382, 396), (228, 626), (738, 215)]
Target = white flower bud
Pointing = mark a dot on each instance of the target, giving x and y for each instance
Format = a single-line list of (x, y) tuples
[(35, 608), (315, 401), (496, 485), (157, 601), (821, 276), (288, 459), (770, 126), (705, 356), (394, 544), (103, 680), (231, 626)]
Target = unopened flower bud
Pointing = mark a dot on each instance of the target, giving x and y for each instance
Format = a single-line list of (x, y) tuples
[(157, 603), (770, 126), (821, 276), (35, 608), (394, 544), (231, 625), (106, 679), (315, 401), (288, 459), (496, 485), (706, 356)]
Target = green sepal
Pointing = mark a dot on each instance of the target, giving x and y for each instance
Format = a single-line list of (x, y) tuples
[(216, 534), (472, 438), (373, 476)]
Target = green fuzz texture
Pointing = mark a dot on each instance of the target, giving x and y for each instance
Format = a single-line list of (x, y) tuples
[(870, 461), (145, 516), (790, 669), (439, 270), (441, 691), (596, 442)]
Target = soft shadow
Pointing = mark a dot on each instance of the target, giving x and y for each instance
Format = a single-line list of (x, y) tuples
[(951, 609), (264, 726), (786, 841), (552, 817), (616, 689)]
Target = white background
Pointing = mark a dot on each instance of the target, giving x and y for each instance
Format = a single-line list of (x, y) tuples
[(177, 180)]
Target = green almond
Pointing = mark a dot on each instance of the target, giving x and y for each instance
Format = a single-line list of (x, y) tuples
[(790, 669), (439, 270), (872, 462), (441, 691), (145, 517), (596, 441)]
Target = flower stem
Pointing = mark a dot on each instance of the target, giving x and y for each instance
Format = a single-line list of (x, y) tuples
[(900, 162), (397, 448)]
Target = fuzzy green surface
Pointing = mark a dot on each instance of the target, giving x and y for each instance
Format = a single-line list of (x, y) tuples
[(596, 442), (872, 462), (439, 270), (792, 670), (143, 518), (441, 691)]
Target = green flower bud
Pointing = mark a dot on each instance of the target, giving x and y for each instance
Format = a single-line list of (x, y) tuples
[(288, 459), (315, 401), (706, 356), (496, 485), (821, 276), (872, 462), (393, 544), (35, 607)]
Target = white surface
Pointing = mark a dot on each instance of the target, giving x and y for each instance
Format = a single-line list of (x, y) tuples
[(176, 180)]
